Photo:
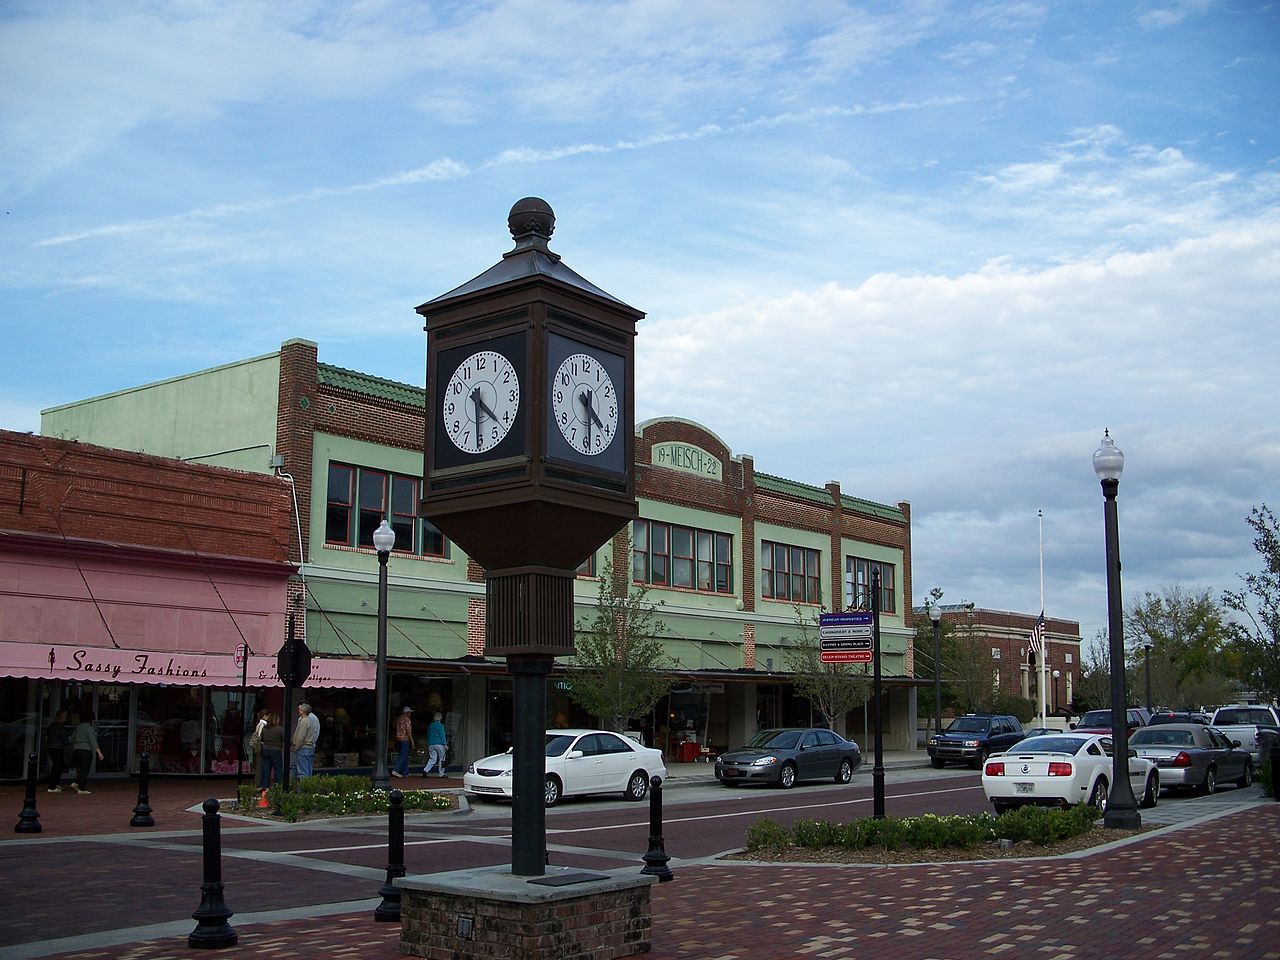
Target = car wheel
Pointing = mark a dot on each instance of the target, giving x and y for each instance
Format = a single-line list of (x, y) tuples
[(1098, 798), (845, 773), (551, 791), (637, 786), (787, 778), (1246, 778), (1210, 782), (980, 761), (1151, 795), (937, 763)]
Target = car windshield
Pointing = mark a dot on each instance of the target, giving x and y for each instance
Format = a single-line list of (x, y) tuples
[(1055, 744), (1241, 716), (557, 744), (968, 725), (1147, 737), (778, 739), (1095, 718)]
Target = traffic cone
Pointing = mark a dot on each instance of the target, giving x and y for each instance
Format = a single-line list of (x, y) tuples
[(262, 801)]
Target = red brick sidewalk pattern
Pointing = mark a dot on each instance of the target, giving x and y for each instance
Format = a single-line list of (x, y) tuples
[(1210, 891)]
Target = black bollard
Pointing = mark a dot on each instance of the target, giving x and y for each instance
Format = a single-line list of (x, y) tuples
[(388, 911), (142, 812), (212, 930), (1275, 770), (29, 818), (656, 860)]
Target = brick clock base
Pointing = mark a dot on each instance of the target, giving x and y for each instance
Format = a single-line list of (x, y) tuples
[(566, 914)]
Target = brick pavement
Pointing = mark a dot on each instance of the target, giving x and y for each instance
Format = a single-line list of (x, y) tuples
[(1207, 890)]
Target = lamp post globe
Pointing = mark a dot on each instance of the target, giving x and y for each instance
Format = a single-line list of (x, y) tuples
[(935, 614), (384, 539), (1122, 807)]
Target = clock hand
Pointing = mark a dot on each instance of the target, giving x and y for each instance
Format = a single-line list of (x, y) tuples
[(484, 407), (585, 397), (476, 404)]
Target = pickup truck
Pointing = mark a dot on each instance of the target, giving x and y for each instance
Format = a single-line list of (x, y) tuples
[(1247, 723), (974, 737)]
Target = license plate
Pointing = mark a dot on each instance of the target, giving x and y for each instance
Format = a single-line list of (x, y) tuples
[(1024, 787), (729, 772)]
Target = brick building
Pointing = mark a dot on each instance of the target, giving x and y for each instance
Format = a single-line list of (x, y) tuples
[(127, 581), (1014, 668), (729, 552)]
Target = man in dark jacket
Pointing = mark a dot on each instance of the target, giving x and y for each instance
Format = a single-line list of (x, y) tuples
[(56, 738)]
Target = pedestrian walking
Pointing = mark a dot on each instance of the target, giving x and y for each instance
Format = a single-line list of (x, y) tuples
[(56, 741), (404, 741), (84, 745), (305, 736), (271, 751), (437, 745)]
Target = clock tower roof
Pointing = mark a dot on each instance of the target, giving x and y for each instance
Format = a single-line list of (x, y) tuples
[(531, 222)]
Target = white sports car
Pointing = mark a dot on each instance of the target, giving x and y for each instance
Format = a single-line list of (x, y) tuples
[(1061, 770), (578, 762)]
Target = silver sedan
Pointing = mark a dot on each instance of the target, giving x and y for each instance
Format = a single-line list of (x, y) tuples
[(1193, 757)]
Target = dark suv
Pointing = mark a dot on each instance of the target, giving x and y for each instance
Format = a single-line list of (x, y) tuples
[(973, 737)]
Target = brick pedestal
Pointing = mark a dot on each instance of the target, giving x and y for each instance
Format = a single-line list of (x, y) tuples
[(490, 913)]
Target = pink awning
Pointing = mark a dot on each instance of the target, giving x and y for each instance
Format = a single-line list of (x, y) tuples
[(109, 665)]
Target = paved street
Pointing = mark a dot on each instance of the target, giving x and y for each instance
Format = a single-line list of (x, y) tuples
[(1206, 884)]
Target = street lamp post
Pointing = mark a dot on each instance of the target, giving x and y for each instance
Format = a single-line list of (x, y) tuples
[(935, 614), (384, 538), (1056, 675), (1122, 808), (1146, 650)]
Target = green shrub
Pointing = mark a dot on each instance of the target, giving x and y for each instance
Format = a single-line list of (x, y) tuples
[(1040, 825), (334, 796), (1046, 825), (767, 834)]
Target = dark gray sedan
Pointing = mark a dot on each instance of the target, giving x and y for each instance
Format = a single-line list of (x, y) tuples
[(1194, 757), (786, 756)]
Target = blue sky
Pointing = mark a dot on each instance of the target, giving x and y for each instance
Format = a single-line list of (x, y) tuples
[(930, 250)]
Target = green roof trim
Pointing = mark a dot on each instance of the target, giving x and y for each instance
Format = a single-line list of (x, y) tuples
[(820, 495), (342, 379)]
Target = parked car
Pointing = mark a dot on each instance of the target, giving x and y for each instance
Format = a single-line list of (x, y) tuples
[(579, 762), (785, 756), (1247, 723), (1063, 769), (1099, 721), (1193, 756), (1177, 716), (973, 737)]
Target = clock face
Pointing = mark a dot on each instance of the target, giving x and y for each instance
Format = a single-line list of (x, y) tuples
[(480, 402), (585, 404)]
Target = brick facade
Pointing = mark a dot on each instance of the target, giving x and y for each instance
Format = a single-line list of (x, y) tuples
[(77, 493)]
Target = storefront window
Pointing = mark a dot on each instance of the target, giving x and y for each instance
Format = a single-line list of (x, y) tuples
[(171, 727)]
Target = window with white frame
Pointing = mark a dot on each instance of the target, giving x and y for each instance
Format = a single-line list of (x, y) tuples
[(358, 500), (670, 555), (857, 584), (790, 573)]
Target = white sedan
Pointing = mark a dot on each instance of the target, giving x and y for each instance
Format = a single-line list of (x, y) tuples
[(1061, 770), (578, 762)]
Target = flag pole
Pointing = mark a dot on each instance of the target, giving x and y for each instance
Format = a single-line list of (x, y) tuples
[(1043, 654)]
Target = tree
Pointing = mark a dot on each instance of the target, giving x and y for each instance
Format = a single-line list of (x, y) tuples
[(1257, 641), (1093, 690), (967, 665), (1188, 635), (832, 688), (620, 669)]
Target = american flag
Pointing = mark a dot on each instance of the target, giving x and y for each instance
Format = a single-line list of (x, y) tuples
[(1037, 634)]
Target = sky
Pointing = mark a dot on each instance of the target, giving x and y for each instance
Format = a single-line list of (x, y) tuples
[(931, 250)]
